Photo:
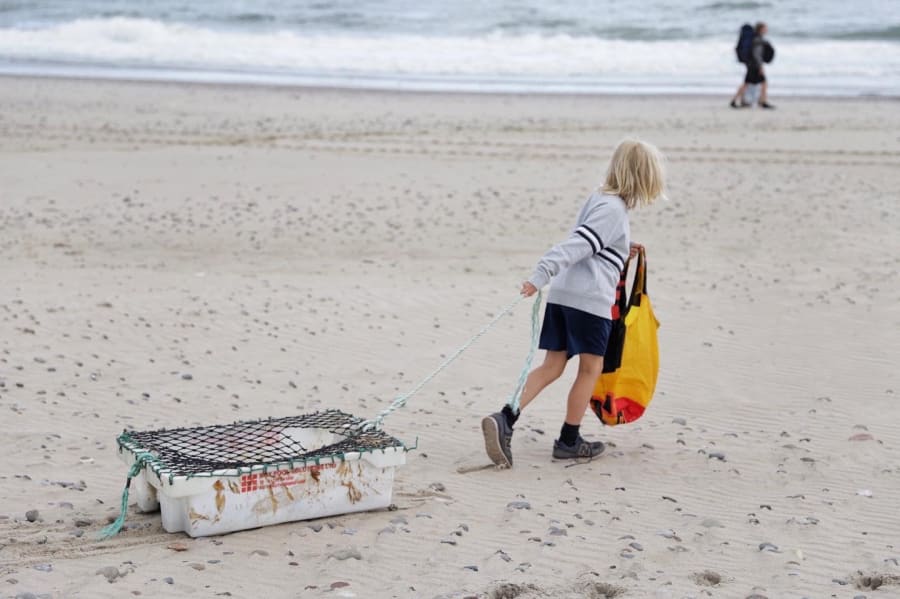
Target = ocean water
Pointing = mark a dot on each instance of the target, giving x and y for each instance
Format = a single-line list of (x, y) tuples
[(828, 47)]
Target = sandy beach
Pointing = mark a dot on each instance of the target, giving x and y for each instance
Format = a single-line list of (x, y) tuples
[(293, 250)]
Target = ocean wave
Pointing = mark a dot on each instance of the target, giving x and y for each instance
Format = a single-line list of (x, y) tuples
[(734, 6), (127, 42), (887, 33)]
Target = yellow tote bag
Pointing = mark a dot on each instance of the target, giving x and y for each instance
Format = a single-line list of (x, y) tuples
[(631, 363)]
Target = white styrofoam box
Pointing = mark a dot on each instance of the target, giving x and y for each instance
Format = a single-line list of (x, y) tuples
[(229, 500)]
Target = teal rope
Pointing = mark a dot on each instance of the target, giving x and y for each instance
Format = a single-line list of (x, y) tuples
[(114, 528), (401, 400), (523, 376)]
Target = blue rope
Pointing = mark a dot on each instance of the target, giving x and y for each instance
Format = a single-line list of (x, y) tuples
[(401, 400)]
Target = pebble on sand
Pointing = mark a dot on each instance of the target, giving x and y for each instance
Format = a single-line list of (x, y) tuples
[(345, 554), (111, 573)]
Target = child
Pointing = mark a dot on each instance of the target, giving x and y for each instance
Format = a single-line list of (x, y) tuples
[(585, 269)]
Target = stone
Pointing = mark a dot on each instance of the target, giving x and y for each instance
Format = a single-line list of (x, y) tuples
[(345, 554), (111, 573), (32, 515)]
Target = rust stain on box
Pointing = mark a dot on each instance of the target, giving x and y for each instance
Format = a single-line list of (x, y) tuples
[(220, 495), (352, 492), (195, 516)]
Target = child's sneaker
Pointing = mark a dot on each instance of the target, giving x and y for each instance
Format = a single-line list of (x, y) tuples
[(497, 439), (581, 449)]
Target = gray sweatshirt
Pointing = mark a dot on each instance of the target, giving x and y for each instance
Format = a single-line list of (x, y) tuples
[(757, 50), (585, 268)]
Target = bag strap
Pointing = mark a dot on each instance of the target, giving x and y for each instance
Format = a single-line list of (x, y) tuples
[(621, 304), (639, 286)]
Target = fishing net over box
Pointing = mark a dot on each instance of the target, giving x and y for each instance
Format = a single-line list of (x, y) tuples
[(215, 479), (257, 444)]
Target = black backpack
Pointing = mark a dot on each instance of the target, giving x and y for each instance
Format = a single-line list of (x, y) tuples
[(768, 52), (744, 48)]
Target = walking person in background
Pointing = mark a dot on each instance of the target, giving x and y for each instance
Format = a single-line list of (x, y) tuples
[(754, 51)]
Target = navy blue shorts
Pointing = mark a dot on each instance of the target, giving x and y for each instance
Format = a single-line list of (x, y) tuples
[(574, 331)]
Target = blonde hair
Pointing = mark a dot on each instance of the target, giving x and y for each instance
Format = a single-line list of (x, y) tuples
[(636, 173)]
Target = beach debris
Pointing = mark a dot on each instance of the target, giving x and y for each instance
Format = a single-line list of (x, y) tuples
[(718, 455), (868, 581), (509, 590), (345, 554), (864, 493), (177, 546), (111, 573), (518, 505), (707, 578), (766, 546), (32, 515), (558, 532)]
